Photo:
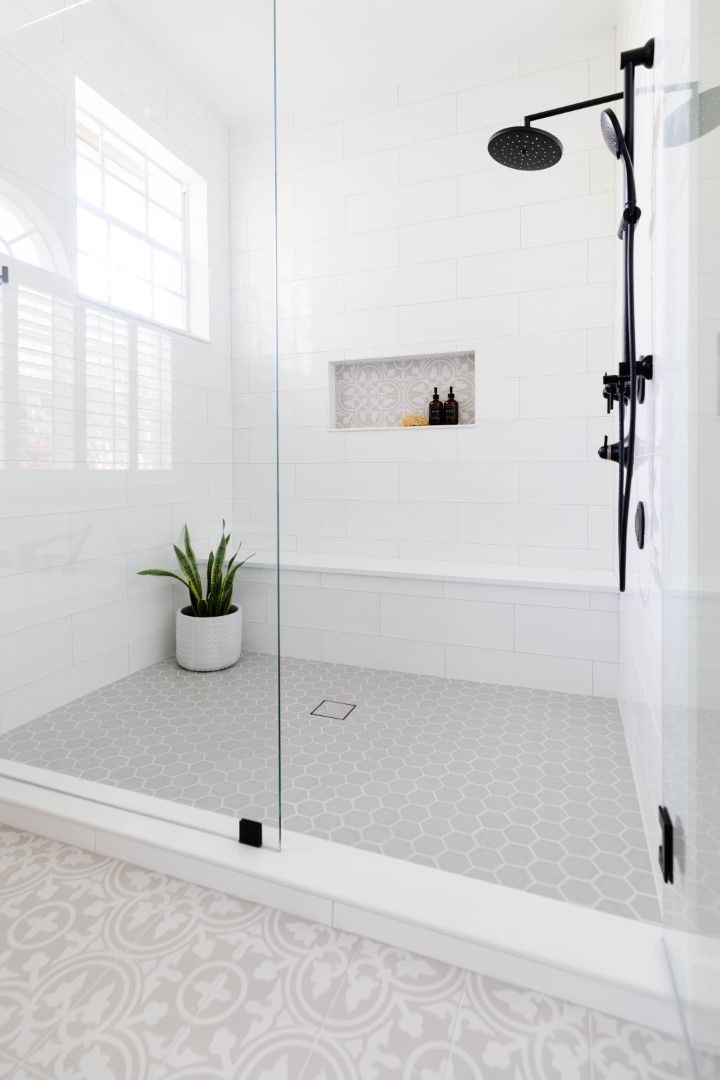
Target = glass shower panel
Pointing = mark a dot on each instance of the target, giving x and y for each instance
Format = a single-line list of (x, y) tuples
[(691, 611), (125, 194)]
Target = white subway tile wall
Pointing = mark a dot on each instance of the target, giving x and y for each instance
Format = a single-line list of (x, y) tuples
[(72, 537), (399, 236)]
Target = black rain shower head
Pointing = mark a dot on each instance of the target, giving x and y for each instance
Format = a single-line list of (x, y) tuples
[(615, 141), (526, 148), (532, 148)]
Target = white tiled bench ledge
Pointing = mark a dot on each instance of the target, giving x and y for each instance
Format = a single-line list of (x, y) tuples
[(540, 577), (548, 629)]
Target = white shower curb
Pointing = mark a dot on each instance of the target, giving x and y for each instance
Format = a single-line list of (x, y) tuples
[(596, 959)]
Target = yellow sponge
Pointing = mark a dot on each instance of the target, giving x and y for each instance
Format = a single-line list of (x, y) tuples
[(413, 420)]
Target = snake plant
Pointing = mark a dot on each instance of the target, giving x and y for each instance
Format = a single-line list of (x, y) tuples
[(219, 578)]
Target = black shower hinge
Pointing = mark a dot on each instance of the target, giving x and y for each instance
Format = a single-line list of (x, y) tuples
[(666, 854), (250, 832), (5, 275)]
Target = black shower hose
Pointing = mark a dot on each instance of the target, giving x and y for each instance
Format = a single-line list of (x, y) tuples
[(627, 457)]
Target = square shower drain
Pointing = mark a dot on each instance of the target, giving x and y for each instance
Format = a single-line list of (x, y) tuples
[(333, 710)]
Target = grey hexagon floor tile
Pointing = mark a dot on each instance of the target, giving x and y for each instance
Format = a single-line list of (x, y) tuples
[(526, 788)]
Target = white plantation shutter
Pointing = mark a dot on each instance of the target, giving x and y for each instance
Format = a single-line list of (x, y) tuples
[(46, 381), (83, 388), (154, 399), (107, 390)]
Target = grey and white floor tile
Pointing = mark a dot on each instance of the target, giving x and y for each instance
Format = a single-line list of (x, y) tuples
[(526, 788), (109, 972)]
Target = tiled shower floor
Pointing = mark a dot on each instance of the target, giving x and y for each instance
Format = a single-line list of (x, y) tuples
[(527, 788)]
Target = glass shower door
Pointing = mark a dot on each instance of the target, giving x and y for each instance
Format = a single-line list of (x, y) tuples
[(691, 608), (124, 378)]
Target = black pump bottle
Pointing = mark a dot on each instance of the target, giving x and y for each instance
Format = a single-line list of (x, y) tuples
[(451, 409), (436, 410)]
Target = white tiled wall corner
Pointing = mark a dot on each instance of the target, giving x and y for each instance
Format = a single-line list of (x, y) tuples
[(75, 614)]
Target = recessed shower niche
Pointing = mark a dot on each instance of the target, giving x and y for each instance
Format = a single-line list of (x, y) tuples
[(379, 392)]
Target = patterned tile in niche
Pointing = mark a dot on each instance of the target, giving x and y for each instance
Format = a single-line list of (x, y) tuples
[(526, 788), (333, 710), (378, 393)]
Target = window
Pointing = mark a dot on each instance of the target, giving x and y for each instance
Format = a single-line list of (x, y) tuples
[(45, 381), (107, 390), (128, 393), (141, 221)]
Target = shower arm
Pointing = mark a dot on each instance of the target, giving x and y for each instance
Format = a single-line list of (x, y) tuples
[(572, 108)]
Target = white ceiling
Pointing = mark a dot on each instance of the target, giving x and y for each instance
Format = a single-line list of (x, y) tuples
[(328, 47)]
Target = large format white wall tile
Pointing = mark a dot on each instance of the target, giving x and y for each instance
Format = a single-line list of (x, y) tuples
[(497, 187), (424, 282), (465, 481), (459, 319), (398, 127), (421, 444), (402, 205), (402, 521), (508, 101), (346, 254), (543, 526), (34, 543), (329, 609), (518, 271), (453, 238), (568, 219), (549, 353), (104, 628), (30, 654), (110, 532), (348, 176), (524, 440), (590, 635), (519, 669), (347, 481), (452, 622), (561, 395), (387, 654), (570, 308), (452, 156)]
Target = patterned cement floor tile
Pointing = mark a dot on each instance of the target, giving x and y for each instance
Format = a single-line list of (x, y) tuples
[(504, 1032), (624, 1051), (393, 1017), (175, 982), (526, 788)]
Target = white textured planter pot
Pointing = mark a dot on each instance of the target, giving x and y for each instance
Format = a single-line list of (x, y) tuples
[(208, 644)]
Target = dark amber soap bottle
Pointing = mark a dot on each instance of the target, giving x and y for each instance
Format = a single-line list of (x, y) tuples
[(436, 410), (452, 410)]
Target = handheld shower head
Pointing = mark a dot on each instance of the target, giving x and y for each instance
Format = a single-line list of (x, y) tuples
[(615, 141), (612, 132), (526, 148)]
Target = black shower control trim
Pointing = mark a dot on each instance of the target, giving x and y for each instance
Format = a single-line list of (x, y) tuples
[(611, 451), (640, 525), (666, 854), (5, 275)]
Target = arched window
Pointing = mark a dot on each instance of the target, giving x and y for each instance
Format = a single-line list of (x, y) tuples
[(27, 235)]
